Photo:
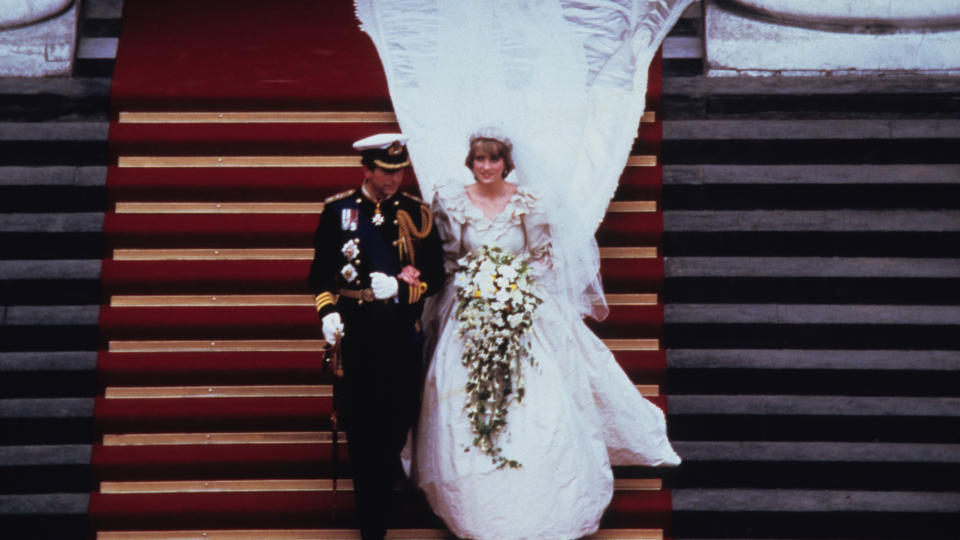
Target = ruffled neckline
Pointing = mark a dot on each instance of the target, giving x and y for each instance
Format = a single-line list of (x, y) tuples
[(458, 206)]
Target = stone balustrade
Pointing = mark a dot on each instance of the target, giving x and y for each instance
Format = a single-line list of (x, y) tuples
[(23, 12), (37, 37), (891, 13), (836, 37)]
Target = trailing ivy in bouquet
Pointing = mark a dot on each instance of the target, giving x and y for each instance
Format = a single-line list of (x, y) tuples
[(496, 306)]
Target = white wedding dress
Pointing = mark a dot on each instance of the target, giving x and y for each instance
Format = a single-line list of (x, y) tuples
[(580, 413), (565, 80)]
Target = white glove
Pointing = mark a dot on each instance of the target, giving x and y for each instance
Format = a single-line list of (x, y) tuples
[(332, 328), (383, 286)]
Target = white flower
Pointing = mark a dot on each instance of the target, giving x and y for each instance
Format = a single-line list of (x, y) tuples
[(508, 271), (461, 280), (488, 267), (348, 272), (515, 320), (485, 283), (350, 249)]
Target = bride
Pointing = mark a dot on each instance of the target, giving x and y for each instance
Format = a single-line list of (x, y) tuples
[(565, 81), (579, 410)]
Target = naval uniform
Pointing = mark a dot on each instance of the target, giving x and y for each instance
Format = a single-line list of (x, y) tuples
[(382, 347)]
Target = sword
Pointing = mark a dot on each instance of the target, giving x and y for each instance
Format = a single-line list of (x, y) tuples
[(334, 360)]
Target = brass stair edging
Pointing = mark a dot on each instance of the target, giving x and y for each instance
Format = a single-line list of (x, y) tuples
[(236, 161), (232, 207), (623, 207), (297, 300), (280, 161), (293, 345), (257, 117), (201, 207), (212, 392), (254, 345), (218, 392), (275, 117), (301, 254), (214, 486), (216, 438), (225, 254)]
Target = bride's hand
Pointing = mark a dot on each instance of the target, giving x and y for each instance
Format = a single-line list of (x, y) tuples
[(410, 275)]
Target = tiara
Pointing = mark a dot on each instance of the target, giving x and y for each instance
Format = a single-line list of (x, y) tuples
[(491, 132)]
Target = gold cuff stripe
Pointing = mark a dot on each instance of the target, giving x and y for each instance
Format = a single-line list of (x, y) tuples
[(323, 300)]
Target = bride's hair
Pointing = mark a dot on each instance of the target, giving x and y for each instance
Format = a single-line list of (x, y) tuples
[(495, 144)]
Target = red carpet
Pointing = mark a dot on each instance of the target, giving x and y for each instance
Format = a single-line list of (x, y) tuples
[(251, 56)]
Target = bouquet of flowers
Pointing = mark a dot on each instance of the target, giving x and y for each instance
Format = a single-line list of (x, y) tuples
[(496, 306)]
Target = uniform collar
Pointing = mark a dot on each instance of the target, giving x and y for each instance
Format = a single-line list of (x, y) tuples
[(366, 195)]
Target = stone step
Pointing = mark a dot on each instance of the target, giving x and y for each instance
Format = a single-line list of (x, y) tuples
[(78, 130), (809, 197), (868, 128), (872, 244), (836, 98), (48, 375), (744, 335), (830, 452), (52, 198), (811, 267), (46, 421), (47, 515), (45, 469), (795, 513), (102, 9), (740, 289), (887, 360), (819, 174), (760, 151), (812, 314), (50, 222), (798, 418), (55, 269), (54, 99), (837, 406), (901, 476), (934, 221), (53, 176), (809, 381)]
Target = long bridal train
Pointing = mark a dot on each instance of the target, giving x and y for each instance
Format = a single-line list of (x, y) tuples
[(566, 82), (580, 413)]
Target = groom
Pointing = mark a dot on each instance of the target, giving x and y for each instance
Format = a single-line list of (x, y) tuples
[(377, 256)]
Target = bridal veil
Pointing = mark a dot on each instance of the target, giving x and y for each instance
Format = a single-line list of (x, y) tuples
[(565, 80)]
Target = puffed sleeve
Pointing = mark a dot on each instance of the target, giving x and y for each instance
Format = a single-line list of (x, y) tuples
[(536, 230), (449, 222)]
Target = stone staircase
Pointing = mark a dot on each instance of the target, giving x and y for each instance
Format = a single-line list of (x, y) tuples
[(812, 235), (53, 155), (813, 303)]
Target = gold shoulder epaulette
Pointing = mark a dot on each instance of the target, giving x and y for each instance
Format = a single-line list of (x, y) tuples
[(338, 196), (413, 197)]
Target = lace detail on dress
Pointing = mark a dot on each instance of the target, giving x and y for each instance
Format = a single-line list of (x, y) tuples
[(456, 204)]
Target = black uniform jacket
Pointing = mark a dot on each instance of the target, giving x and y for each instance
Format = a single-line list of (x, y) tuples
[(351, 242)]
